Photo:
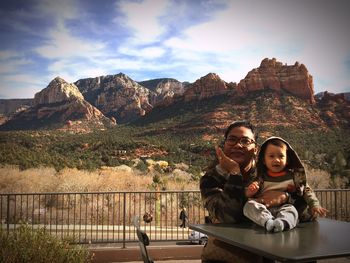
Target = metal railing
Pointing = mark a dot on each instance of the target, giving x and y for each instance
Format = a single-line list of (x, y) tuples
[(107, 217)]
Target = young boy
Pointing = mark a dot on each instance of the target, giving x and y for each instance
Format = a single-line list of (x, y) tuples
[(279, 168)]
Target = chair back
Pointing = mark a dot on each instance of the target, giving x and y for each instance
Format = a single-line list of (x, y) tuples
[(143, 241)]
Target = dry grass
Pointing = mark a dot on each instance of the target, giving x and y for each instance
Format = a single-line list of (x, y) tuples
[(122, 178), (320, 179)]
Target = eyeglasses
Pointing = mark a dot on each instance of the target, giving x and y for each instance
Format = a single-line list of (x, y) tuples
[(244, 141)]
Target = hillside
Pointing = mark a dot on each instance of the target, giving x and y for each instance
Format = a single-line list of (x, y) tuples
[(76, 125), (123, 100), (186, 132)]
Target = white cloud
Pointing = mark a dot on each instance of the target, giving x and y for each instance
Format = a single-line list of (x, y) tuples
[(229, 42), (71, 70), (145, 53), (21, 86), (59, 10), (62, 44), (143, 19), (11, 61), (22, 78), (6, 54), (246, 32)]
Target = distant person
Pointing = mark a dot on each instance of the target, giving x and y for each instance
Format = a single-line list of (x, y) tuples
[(222, 190), (183, 217), (279, 168)]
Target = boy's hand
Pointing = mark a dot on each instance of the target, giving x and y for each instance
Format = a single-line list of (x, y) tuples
[(227, 163), (252, 189), (273, 198), (318, 211)]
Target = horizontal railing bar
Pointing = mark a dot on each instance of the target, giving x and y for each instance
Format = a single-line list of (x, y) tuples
[(108, 192), (141, 192)]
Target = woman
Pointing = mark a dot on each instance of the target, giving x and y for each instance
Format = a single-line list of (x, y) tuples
[(222, 189)]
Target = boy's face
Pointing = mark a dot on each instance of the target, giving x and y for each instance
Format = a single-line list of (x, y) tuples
[(275, 158)]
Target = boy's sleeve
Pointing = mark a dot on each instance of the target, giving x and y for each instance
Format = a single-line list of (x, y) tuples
[(310, 197)]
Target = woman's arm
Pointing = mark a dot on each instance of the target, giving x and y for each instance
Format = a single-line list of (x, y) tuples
[(223, 198)]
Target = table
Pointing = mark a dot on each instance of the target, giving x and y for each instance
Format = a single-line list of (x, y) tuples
[(321, 239)]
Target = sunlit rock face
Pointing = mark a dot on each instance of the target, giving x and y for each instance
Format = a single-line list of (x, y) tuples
[(166, 90), (117, 96), (206, 87), (57, 91), (59, 106), (272, 74)]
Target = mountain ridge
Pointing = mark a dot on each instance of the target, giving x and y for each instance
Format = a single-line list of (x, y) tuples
[(122, 100), (59, 106)]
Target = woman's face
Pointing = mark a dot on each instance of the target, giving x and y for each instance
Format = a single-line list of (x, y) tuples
[(240, 146), (275, 157)]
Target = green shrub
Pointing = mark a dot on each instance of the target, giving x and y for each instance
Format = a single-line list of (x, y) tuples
[(142, 166), (27, 245)]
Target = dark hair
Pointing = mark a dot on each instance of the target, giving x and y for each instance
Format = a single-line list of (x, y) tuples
[(243, 123), (277, 142), (235, 124)]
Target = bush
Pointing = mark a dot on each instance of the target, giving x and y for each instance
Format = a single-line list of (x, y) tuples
[(27, 245), (142, 166)]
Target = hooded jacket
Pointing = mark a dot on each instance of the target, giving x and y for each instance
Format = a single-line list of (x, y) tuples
[(301, 195)]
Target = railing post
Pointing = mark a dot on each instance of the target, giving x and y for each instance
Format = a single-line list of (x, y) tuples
[(8, 214), (336, 204), (124, 219)]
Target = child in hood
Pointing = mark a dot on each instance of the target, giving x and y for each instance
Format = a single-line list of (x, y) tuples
[(279, 168)]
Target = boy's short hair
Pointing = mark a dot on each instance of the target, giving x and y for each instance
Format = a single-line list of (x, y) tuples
[(277, 142)]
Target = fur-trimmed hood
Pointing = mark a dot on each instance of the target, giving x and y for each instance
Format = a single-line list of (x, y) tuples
[(293, 161), (304, 196)]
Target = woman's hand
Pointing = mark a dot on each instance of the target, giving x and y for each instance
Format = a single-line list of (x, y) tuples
[(227, 163), (273, 198)]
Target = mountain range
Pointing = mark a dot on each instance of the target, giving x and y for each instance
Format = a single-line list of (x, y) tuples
[(287, 91)]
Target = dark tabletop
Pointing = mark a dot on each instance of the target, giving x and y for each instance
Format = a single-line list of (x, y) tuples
[(324, 238)]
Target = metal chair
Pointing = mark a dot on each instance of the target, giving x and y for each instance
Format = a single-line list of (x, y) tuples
[(143, 241)]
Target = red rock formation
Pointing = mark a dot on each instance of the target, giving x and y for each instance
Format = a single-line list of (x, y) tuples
[(331, 97), (335, 108), (205, 87), (57, 91), (274, 75), (59, 105)]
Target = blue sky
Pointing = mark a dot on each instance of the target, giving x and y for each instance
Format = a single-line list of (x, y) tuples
[(185, 40)]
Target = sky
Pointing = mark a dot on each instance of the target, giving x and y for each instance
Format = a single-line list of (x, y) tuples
[(181, 39)]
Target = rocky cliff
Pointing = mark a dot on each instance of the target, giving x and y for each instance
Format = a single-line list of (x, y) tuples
[(165, 89), (57, 91), (9, 106), (123, 99), (117, 96), (273, 75), (335, 108), (59, 105), (206, 87)]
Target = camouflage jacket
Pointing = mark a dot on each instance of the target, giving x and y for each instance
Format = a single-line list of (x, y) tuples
[(223, 195)]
